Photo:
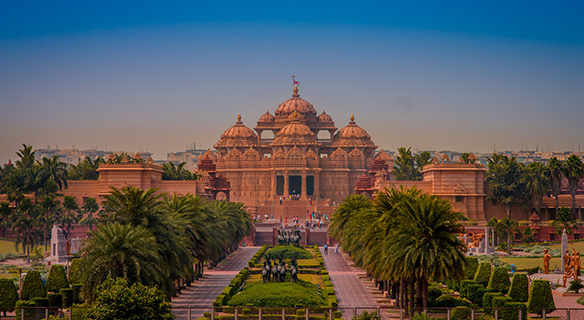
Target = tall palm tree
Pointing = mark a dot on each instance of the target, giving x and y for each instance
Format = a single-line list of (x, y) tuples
[(51, 208), (25, 226), (573, 171), (404, 169), (5, 213), (56, 170), (508, 227), (89, 208), (122, 251), (27, 157), (345, 212), (71, 216), (507, 181), (537, 184), (554, 174)]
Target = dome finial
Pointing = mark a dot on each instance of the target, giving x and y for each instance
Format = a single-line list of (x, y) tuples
[(352, 118), (295, 114), (238, 119), (295, 89)]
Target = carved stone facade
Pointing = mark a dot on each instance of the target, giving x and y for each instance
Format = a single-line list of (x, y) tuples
[(294, 163)]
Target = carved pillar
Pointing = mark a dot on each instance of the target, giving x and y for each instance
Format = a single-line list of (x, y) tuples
[(274, 185), (286, 184), (316, 185), (303, 193)]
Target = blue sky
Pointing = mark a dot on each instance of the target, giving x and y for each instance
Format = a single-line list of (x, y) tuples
[(136, 75)]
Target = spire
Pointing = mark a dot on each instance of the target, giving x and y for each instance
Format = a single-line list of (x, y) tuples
[(295, 89), (295, 114), (352, 119), (239, 119)]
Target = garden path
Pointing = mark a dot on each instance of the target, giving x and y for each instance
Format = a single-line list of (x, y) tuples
[(203, 292)]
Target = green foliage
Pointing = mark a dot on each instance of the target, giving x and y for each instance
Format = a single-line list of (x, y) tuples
[(55, 299), (499, 302), (510, 311), (460, 313), (117, 300), (177, 172), (29, 314), (463, 285), (447, 301), (256, 257), (540, 297), (367, 316), (519, 290), (479, 294), (57, 279), (33, 286), (77, 293), (67, 297), (472, 264), (284, 294), (580, 300), (483, 274), (433, 294), (75, 271), (8, 295), (287, 252), (499, 280), (488, 300), (472, 292), (575, 285)]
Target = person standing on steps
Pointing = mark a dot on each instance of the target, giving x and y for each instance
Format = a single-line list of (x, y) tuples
[(336, 248), (325, 249)]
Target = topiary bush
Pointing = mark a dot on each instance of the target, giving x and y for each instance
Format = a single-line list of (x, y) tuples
[(8, 295), (460, 313), (433, 294), (55, 300), (75, 271), (471, 292), (287, 252), (470, 269), (447, 301), (57, 279), (479, 295), (510, 311), (43, 303), (519, 289), (77, 294), (33, 286), (498, 302), (540, 297), (463, 287), (488, 300), (29, 314), (483, 274), (67, 297), (285, 294), (499, 280)]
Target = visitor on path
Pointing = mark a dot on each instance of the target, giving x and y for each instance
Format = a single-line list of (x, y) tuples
[(336, 248), (325, 249)]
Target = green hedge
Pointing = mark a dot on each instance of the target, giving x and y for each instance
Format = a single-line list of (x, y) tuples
[(77, 294), (8, 295), (29, 314), (472, 292), (33, 286), (463, 285), (257, 256), (460, 313), (519, 290), (57, 279), (483, 274), (67, 297), (479, 295), (287, 252), (510, 311), (282, 294), (488, 300), (75, 271), (472, 264), (499, 302), (499, 280), (540, 297), (55, 300), (448, 301)]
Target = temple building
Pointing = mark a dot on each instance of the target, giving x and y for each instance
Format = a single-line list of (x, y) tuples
[(284, 158)]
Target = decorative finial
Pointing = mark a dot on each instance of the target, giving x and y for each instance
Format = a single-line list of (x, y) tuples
[(295, 84), (295, 114), (352, 118), (239, 116), (295, 89)]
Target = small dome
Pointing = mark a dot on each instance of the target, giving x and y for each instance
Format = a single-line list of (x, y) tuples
[(238, 136), (353, 136), (295, 133), (267, 117), (296, 115), (325, 117)]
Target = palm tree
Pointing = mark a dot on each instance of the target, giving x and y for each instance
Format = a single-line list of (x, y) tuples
[(554, 174), (72, 216), (89, 208), (27, 157), (425, 246), (508, 227), (343, 214), (404, 169), (122, 251), (564, 221), (25, 226), (50, 211), (507, 180), (537, 184), (5, 213), (573, 171), (56, 170)]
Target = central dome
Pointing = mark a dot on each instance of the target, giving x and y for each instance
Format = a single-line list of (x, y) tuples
[(295, 104), (295, 133)]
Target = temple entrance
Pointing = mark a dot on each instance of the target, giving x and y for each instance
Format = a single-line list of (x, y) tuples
[(295, 185), (280, 185), (310, 185)]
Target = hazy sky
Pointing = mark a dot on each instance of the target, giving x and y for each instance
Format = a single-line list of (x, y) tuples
[(136, 75)]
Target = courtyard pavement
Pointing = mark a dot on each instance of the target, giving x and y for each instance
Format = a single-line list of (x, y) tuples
[(203, 292)]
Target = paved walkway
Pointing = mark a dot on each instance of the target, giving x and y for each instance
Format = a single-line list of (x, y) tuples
[(350, 290), (203, 292)]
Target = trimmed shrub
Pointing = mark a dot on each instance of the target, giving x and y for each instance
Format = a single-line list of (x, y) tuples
[(483, 274), (540, 297), (471, 292), (33, 286), (287, 252), (479, 296), (57, 279), (283, 294), (67, 297), (447, 301), (519, 290), (433, 294), (499, 280), (460, 313), (456, 286), (488, 300), (77, 294), (75, 271), (510, 311), (8, 295), (337, 314), (55, 300), (499, 302), (463, 285), (41, 302), (29, 314), (472, 264)]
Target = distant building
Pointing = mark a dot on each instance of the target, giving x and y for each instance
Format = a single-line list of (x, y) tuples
[(190, 156), (74, 156)]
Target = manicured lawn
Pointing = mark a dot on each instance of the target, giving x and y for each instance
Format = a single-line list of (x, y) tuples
[(523, 263), (579, 246), (7, 246)]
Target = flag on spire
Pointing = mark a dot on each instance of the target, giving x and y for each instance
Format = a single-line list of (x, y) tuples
[(294, 82)]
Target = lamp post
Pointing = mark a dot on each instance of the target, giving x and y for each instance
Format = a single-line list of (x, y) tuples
[(19, 283)]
